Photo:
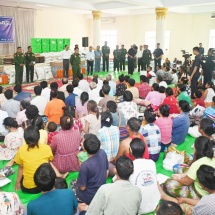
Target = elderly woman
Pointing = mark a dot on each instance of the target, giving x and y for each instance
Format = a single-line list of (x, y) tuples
[(128, 107), (65, 146)]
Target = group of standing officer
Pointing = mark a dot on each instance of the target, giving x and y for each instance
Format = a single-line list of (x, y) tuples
[(21, 60)]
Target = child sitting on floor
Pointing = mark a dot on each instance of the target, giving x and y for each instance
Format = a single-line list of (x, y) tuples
[(199, 100), (162, 92), (52, 127), (60, 183)]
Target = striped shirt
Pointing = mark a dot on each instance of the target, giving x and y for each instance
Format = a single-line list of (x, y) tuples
[(109, 137), (205, 206)]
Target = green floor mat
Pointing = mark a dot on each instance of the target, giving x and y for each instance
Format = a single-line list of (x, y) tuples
[(25, 198)]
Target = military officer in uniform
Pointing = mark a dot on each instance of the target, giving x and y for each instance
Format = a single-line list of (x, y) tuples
[(147, 57), (29, 64), (105, 56), (19, 60), (75, 61), (116, 54), (131, 59), (123, 53)]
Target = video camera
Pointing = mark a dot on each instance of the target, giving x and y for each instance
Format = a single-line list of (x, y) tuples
[(204, 57), (186, 54)]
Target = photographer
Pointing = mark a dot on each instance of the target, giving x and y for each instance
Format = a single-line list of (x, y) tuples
[(208, 67), (195, 71)]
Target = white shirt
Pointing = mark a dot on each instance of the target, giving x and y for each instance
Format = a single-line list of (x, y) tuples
[(90, 55), (163, 83), (144, 177), (46, 93), (3, 115), (112, 84), (139, 53), (77, 91), (66, 54), (2, 98), (93, 94), (63, 89), (174, 78), (40, 102), (152, 74), (100, 83), (83, 85), (210, 95)]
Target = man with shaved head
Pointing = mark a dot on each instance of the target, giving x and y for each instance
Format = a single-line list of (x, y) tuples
[(63, 87)]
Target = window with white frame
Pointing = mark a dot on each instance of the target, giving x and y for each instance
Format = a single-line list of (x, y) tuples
[(150, 40), (212, 38), (110, 37)]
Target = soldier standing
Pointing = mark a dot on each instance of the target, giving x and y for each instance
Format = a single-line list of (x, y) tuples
[(19, 61), (29, 64), (147, 57), (123, 53), (75, 61), (116, 54), (158, 52), (105, 56)]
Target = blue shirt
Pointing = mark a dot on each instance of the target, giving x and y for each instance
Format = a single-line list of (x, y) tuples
[(70, 100), (98, 54), (92, 175), (60, 201), (23, 96), (180, 128)]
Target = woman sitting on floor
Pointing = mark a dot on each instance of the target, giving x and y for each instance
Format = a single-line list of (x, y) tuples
[(186, 184), (206, 178), (81, 106), (13, 140), (21, 116), (164, 122), (108, 136), (183, 95), (181, 123), (128, 107), (154, 97), (29, 157), (65, 146)]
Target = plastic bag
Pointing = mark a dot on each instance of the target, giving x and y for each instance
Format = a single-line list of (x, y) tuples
[(171, 159)]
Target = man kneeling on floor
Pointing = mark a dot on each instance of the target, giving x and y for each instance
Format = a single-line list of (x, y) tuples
[(53, 201)]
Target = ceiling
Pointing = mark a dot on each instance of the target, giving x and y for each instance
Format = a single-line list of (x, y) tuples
[(112, 8)]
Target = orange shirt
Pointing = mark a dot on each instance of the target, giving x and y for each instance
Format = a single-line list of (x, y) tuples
[(54, 110)]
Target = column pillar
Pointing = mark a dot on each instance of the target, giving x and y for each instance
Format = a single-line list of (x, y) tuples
[(96, 27), (160, 26)]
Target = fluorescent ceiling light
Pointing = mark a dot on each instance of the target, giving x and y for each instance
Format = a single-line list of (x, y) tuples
[(42, 5)]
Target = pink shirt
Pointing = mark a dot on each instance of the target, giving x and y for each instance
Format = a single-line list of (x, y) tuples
[(21, 117), (165, 125), (155, 98)]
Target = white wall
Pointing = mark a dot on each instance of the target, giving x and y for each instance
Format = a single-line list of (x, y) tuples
[(62, 23), (186, 31)]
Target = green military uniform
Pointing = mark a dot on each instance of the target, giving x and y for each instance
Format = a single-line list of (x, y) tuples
[(122, 57), (19, 59), (116, 54), (105, 57), (147, 57), (29, 63), (75, 61)]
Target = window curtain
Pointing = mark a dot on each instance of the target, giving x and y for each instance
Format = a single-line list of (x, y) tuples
[(24, 27)]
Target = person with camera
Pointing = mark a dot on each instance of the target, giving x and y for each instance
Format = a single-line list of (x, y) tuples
[(208, 67), (195, 71)]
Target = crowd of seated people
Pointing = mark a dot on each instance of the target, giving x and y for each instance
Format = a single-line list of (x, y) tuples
[(81, 127)]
